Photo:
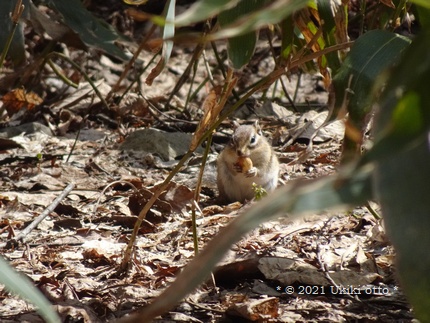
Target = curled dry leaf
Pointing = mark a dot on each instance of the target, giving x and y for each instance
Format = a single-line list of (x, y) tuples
[(212, 107), (155, 71), (388, 3), (16, 99), (210, 115)]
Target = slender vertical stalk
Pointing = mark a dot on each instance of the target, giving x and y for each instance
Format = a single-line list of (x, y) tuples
[(17, 13)]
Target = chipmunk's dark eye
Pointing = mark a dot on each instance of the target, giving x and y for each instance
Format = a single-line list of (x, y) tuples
[(252, 140)]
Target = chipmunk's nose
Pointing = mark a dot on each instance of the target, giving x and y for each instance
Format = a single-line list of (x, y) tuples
[(241, 153)]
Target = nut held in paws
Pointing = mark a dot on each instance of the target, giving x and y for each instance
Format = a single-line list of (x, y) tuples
[(245, 163)]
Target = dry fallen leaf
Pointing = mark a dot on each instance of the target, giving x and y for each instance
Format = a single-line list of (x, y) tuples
[(388, 3), (210, 115), (257, 310), (155, 71), (17, 99)]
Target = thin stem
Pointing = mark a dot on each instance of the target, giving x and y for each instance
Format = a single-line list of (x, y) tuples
[(132, 61), (17, 12), (137, 78), (296, 91), (221, 66), (284, 88), (197, 194), (61, 75), (194, 94), (76, 66), (196, 55)]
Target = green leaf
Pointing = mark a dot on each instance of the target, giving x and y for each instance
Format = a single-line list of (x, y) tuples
[(202, 10), (334, 29), (240, 48), (407, 119), (404, 117), (21, 286), (370, 55), (423, 16), (402, 177), (354, 84), (169, 29), (424, 3), (403, 186), (287, 28), (93, 32), (274, 13)]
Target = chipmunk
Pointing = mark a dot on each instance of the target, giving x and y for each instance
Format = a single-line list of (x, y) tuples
[(248, 159)]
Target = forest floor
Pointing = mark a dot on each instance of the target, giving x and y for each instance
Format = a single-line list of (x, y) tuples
[(327, 267)]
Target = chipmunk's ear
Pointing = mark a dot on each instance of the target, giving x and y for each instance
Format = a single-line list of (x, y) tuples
[(235, 124), (257, 127)]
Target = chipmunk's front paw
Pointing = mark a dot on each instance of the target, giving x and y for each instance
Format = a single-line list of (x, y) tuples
[(252, 172)]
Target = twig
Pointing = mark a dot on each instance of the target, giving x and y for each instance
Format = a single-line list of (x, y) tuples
[(142, 45), (136, 80), (196, 198), (372, 211), (324, 267), (78, 68), (284, 88), (61, 75), (17, 12), (14, 242), (104, 190), (184, 77)]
